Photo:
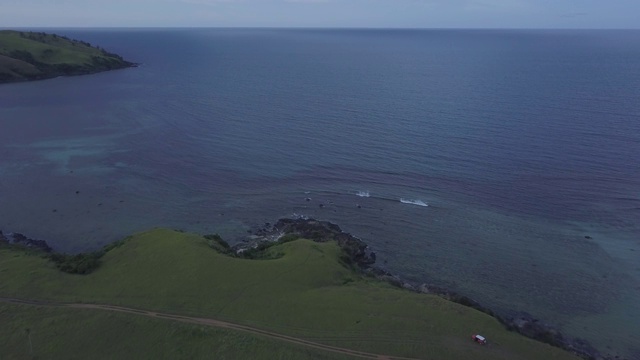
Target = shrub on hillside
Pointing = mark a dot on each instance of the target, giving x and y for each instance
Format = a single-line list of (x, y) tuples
[(82, 263), (24, 56), (215, 241), (115, 244)]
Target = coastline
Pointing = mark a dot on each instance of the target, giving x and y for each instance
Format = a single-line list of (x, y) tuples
[(359, 257), (364, 259), (79, 71), (31, 56)]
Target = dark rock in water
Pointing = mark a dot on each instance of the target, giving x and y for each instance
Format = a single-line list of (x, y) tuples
[(20, 240), (588, 237), (531, 327), (308, 199), (321, 205), (262, 232), (323, 231), (17, 237)]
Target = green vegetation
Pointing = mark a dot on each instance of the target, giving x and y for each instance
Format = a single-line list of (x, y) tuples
[(49, 333), (78, 263), (216, 242), (37, 55), (83, 263), (306, 292)]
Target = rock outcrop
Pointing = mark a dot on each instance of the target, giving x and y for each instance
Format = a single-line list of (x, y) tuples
[(323, 231), (23, 241)]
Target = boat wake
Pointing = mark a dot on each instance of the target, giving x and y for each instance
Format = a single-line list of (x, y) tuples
[(366, 194), (414, 202)]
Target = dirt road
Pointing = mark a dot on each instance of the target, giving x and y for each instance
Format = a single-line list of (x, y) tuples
[(211, 322)]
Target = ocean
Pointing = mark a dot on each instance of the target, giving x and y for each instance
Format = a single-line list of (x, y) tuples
[(502, 164)]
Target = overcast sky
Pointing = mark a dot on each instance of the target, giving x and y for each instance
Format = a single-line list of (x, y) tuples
[(323, 13)]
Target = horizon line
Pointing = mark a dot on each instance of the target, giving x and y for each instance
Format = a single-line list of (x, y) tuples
[(310, 28)]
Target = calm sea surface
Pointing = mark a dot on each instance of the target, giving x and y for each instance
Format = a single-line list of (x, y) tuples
[(525, 145)]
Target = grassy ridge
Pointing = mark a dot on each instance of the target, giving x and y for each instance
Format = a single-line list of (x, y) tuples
[(307, 292), (32, 56)]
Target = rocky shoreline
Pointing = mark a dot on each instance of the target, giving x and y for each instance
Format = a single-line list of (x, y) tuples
[(22, 241), (358, 254)]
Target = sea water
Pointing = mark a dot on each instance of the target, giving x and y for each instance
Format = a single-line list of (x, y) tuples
[(500, 164)]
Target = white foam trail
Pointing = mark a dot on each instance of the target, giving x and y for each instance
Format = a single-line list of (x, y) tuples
[(414, 202), (363, 194)]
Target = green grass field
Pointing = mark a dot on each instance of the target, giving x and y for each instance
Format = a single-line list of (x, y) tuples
[(307, 293), (30, 55), (48, 333)]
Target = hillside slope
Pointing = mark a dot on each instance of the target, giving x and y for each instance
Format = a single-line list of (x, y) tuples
[(304, 291), (36, 55)]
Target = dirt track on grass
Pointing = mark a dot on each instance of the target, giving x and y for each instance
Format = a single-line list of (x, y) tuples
[(212, 323)]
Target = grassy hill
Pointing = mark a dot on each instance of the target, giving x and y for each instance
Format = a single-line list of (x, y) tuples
[(36, 55), (304, 291)]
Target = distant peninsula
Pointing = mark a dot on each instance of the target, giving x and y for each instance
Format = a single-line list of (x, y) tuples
[(26, 56)]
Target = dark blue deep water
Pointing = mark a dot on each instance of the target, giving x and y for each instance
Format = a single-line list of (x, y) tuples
[(525, 145)]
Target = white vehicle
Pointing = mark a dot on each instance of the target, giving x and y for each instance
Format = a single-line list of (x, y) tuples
[(479, 339)]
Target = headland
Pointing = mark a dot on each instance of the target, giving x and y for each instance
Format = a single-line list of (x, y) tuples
[(27, 55)]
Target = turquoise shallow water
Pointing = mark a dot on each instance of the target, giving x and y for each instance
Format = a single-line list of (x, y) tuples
[(521, 142)]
